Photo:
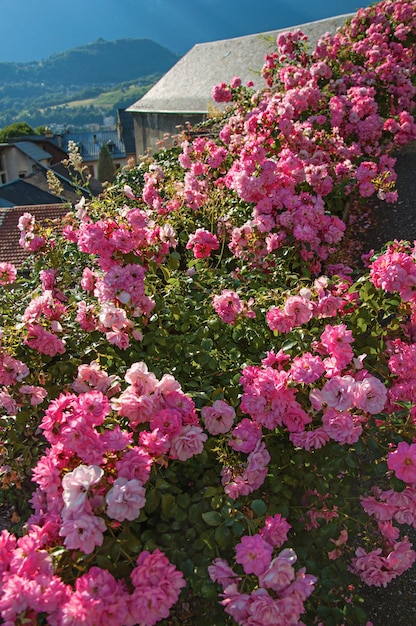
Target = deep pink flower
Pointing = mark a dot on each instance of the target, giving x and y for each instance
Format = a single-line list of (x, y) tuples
[(221, 93), (228, 305), (245, 436), (202, 243), (7, 273), (275, 530), (254, 554), (44, 341)]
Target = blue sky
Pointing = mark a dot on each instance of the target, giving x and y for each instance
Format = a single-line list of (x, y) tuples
[(32, 30)]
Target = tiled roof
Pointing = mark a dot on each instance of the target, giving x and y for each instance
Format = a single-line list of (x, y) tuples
[(90, 144), (186, 88), (21, 193), (10, 250)]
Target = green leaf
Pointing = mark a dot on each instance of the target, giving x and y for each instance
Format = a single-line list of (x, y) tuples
[(259, 507), (212, 518), (168, 501)]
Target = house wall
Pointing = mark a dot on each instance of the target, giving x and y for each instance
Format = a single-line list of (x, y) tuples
[(15, 164), (152, 128)]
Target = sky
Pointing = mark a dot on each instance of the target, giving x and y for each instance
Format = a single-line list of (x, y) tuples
[(33, 30)]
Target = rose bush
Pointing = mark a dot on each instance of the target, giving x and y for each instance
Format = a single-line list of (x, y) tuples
[(198, 401)]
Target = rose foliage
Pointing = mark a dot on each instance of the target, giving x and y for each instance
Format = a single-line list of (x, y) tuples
[(197, 401)]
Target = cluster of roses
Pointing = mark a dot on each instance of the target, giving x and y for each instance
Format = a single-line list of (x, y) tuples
[(279, 591), (109, 463), (118, 285), (387, 507), (13, 393), (93, 478), (324, 126), (31, 589), (342, 395)]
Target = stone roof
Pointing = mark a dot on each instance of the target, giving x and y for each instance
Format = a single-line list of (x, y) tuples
[(10, 250), (186, 88)]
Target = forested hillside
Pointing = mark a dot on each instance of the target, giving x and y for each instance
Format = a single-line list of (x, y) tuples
[(41, 92)]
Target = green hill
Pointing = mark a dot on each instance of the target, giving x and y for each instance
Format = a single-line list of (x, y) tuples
[(38, 92)]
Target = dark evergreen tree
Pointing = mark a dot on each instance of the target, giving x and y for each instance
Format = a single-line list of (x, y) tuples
[(106, 169)]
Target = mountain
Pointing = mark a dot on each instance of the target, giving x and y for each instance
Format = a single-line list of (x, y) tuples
[(101, 62), (82, 85)]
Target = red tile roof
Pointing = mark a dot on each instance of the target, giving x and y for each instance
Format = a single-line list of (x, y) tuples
[(10, 250)]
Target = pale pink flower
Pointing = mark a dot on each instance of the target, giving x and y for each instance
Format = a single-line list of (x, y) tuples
[(84, 532), (129, 192), (280, 572), (299, 309), (264, 610), (188, 443), (143, 381), (8, 403), (219, 417), (403, 462), (338, 392), (76, 486), (125, 499), (220, 572), (370, 395), (37, 394)]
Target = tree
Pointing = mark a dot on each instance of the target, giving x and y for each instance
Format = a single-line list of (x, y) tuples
[(106, 168), (18, 129)]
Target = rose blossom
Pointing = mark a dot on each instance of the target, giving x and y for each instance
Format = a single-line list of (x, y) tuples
[(254, 554), (280, 572), (7, 273), (76, 485), (125, 499), (84, 532), (188, 443), (403, 462), (275, 530), (202, 242), (219, 417)]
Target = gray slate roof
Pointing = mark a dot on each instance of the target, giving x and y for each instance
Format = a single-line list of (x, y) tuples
[(90, 143), (32, 150), (186, 88), (18, 193)]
